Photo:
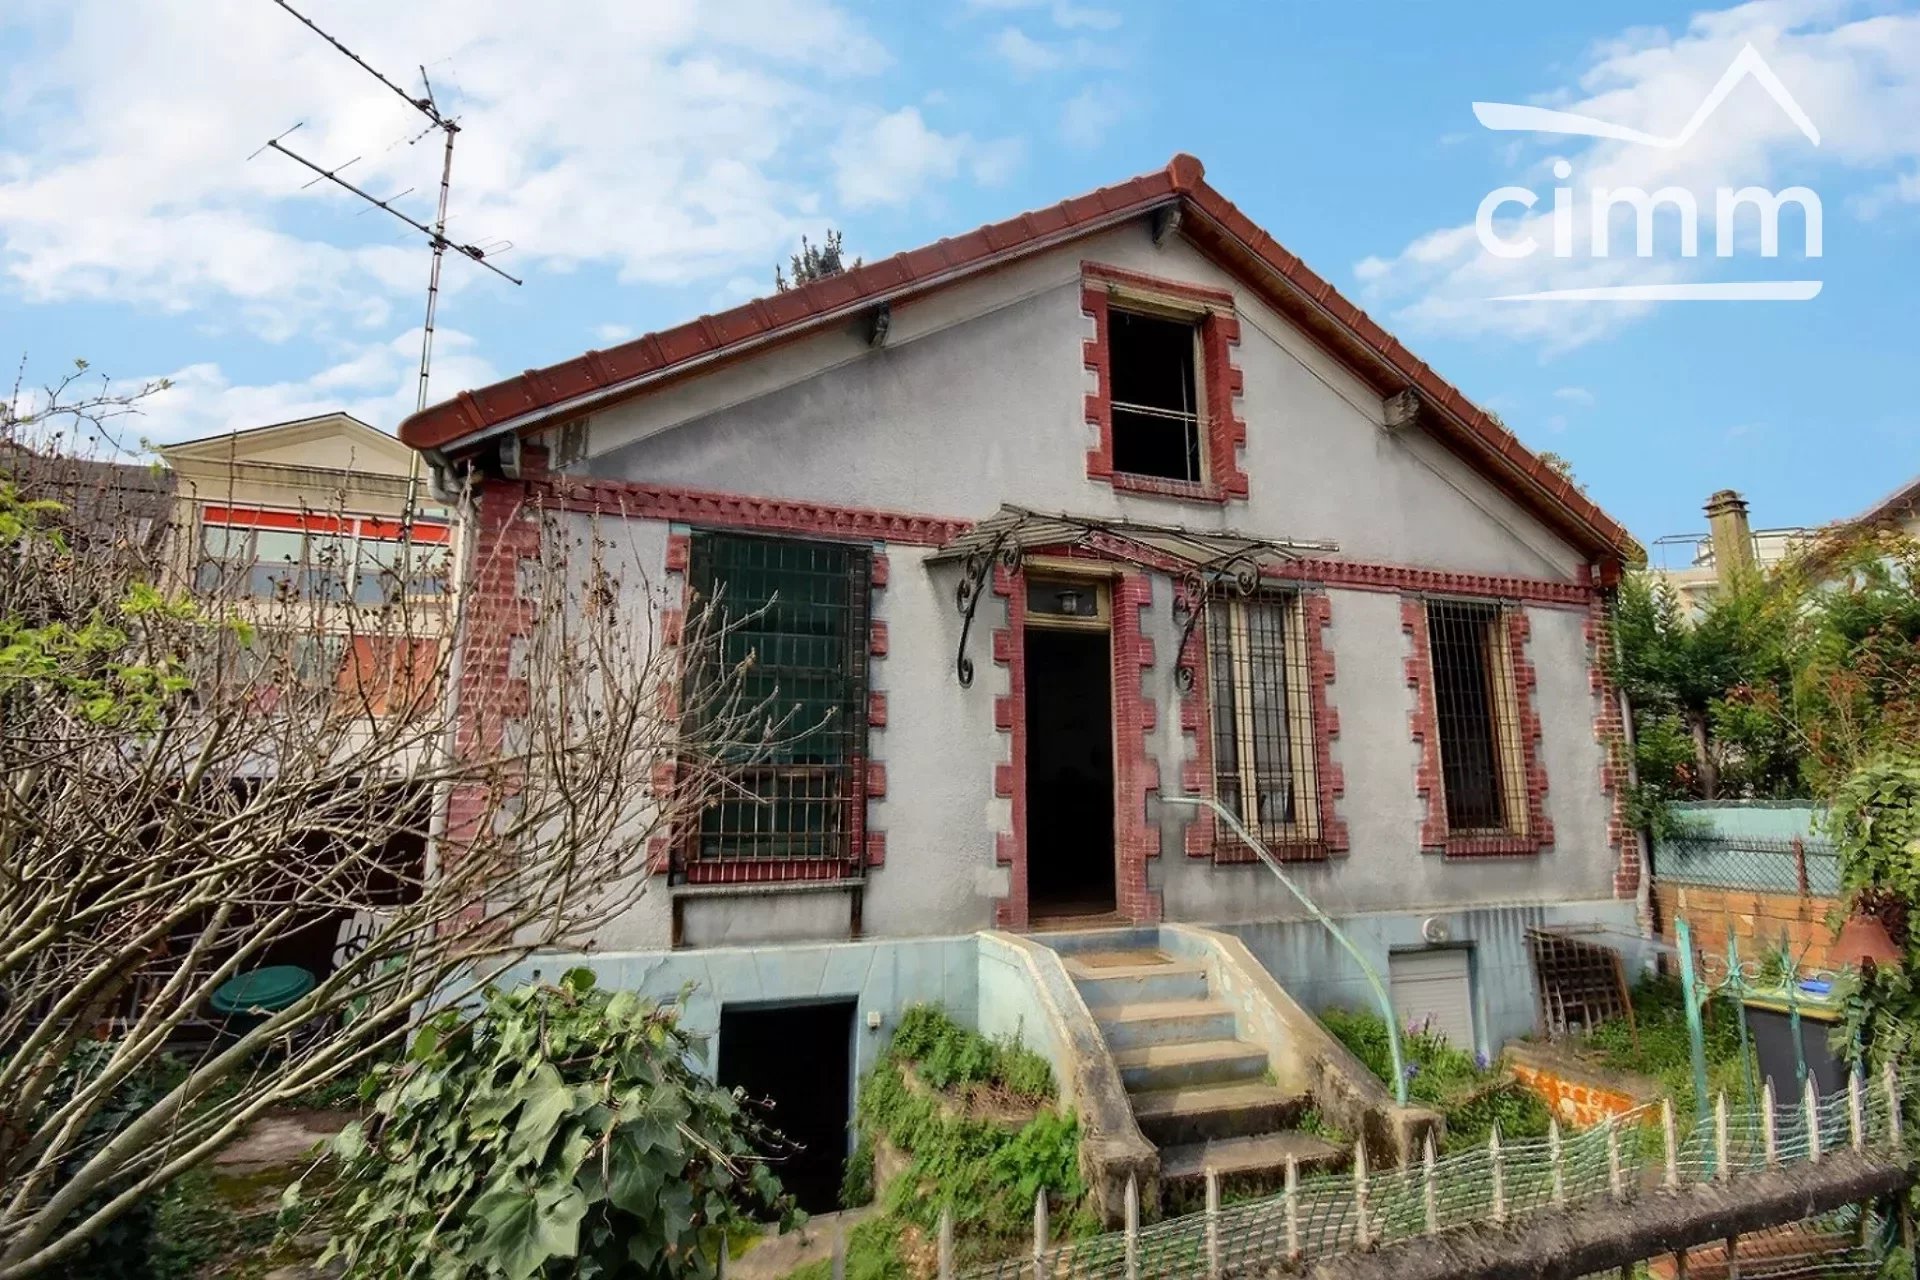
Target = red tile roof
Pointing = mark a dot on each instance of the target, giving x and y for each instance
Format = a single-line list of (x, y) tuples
[(1209, 220)]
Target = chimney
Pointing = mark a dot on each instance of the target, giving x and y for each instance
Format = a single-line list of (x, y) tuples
[(1732, 538)]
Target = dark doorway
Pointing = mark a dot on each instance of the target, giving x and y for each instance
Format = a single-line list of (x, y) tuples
[(795, 1062), (1069, 773)]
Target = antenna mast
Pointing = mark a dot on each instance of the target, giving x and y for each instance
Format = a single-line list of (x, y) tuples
[(436, 234)]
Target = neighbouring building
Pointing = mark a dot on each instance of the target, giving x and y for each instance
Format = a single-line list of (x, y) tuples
[(1111, 504), (302, 527), (1732, 540)]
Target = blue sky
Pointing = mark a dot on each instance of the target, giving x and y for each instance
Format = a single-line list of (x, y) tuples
[(651, 162)]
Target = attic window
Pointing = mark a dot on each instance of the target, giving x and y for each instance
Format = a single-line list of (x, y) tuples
[(1156, 403)]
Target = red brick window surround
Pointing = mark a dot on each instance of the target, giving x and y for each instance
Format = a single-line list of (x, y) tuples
[(1110, 295), (1263, 726), (805, 609), (1479, 776)]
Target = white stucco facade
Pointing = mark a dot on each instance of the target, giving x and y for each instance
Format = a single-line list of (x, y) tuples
[(978, 399)]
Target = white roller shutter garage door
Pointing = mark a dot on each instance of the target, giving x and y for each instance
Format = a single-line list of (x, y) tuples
[(1432, 990)]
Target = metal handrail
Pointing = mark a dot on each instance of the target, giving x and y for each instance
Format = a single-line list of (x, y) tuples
[(1373, 976)]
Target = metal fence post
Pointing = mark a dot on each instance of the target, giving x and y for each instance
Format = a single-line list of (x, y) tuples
[(1893, 1103), (1363, 1229), (1041, 1234), (1616, 1184), (1291, 1201), (1671, 1146), (1769, 1138), (1856, 1110), (1556, 1166), (1431, 1193), (1810, 1104), (1499, 1175), (1213, 1225), (1133, 1228), (1721, 1168), (945, 1246)]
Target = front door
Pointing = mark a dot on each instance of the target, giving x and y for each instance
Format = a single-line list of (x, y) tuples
[(1069, 714)]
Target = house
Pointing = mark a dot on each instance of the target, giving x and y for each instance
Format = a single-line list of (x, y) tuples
[(311, 508), (1731, 540), (1109, 505), (320, 533)]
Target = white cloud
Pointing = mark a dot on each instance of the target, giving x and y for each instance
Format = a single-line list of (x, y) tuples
[(376, 383), (613, 332), (1025, 54), (1574, 395), (669, 142), (1856, 73), (1090, 113), (1063, 13), (890, 158)]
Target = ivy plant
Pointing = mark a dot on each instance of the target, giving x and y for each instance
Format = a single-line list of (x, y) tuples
[(564, 1131)]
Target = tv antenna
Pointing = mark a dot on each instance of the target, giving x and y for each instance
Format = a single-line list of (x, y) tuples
[(436, 234)]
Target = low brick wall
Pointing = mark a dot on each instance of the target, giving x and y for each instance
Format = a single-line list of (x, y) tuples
[(1578, 1093), (1759, 922)]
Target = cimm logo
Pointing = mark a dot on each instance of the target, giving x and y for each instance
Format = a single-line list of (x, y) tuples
[(1601, 202)]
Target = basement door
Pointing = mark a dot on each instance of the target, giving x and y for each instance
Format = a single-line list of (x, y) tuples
[(795, 1064), (1433, 991), (1070, 776)]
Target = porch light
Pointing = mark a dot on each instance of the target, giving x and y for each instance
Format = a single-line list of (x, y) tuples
[(1863, 942), (1069, 601)]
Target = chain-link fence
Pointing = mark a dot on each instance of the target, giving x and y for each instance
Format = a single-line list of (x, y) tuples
[(1497, 1184), (1805, 866)]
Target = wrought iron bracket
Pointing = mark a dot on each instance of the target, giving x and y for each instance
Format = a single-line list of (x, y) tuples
[(1239, 572), (974, 572)]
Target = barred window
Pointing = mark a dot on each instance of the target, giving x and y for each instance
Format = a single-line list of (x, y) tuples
[(799, 610), (1263, 750), (1477, 715)]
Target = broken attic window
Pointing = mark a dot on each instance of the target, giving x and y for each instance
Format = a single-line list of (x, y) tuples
[(1156, 412)]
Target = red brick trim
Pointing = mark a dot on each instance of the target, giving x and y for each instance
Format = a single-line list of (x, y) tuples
[(505, 533), (1429, 784), (1010, 718), (1610, 731), (868, 783), (1203, 840), (716, 509), (1225, 430), (1361, 575), (1136, 773), (743, 511)]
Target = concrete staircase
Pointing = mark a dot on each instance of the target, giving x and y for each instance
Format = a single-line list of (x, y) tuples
[(1205, 1097)]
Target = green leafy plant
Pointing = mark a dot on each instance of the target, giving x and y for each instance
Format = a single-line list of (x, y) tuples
[(1472, 1097), (563, 1131), (1874, 822), (987, 1169)]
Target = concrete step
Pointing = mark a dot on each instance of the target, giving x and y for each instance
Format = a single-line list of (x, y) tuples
[(1261, 1156), (1176, 1117), (1175, 1066), (1138, 982), (1134, 1026)]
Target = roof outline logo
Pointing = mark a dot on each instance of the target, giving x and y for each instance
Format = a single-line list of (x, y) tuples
[(1508, 117)]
